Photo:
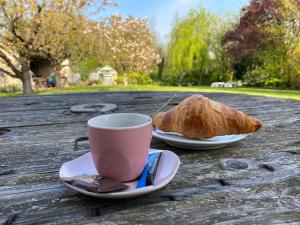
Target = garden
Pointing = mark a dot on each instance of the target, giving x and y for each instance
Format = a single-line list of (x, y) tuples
[(257, 48)]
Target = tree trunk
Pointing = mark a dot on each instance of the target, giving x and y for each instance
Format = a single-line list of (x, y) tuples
[(223, 70), (26, 79), (181, 76), (201, 72), (58, 77), (160, 69), (200, 78)]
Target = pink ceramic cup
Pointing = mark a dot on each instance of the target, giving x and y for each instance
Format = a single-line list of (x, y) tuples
[(119, 144)]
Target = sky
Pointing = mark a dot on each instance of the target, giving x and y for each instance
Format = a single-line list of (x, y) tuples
[(161, 12)]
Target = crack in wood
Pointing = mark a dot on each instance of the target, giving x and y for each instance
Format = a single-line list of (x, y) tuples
[(268, 167), (47, 172), (47, 124), (94, 212), (7, 172), (143, 97), (31, 103), (292, 152)]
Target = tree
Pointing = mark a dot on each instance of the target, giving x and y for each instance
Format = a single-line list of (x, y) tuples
[(44, 27), (294, 65), (247, 36), (221, 65), (161, 65), (130, 44), (266, 36), (189, 49)]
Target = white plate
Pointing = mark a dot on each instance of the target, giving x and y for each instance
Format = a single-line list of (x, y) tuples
[(83, 165), (180, 141)]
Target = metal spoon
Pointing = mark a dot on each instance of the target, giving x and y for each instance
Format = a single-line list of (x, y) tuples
[(163, 106)]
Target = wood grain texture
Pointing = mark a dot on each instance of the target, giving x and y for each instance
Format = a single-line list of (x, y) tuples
[(255, 181)]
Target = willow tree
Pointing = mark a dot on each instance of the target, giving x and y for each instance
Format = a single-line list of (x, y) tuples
[(44, 27), (190, 44)]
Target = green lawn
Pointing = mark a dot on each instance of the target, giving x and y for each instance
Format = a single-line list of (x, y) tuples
[(250, 91)]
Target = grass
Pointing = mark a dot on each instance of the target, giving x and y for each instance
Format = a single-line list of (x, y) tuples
[(4, 94), (293, 94)]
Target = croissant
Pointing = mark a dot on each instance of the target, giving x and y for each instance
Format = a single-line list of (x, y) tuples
[(201, 118)]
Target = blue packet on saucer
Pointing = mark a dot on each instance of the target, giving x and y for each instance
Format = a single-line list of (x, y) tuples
[(148, 175)]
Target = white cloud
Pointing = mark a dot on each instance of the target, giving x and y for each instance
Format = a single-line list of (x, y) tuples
[(164, 15)]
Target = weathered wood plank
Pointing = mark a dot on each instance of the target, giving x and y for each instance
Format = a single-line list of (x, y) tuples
[(210, 202)]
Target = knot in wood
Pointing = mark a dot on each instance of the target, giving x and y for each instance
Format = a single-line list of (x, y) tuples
[(236, 164), (31, 103)]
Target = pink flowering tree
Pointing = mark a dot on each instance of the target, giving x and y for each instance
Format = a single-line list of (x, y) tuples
[(130, 44)]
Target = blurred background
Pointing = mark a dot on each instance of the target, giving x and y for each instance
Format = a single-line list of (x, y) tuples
[(54, 46)]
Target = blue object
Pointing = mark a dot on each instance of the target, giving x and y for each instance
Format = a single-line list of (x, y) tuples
[(52, 80), (148, 174), (143, 178)]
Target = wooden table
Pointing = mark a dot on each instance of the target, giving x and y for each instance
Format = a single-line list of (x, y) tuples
[(211, 187)]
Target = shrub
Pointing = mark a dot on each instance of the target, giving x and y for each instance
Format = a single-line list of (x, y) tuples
[(120, 80), (254, 77), (295, 81), (87, 66), (144, 79), (138, 78), (267, 76), (10, 89)]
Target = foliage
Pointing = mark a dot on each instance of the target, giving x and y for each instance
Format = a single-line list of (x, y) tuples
[(262, 49), (138, 78), (51, 28), (294, 65), (130, 43), (86, 66), (9, 89), (195, 53), (144, 79), (247, 36), (264, 42), (189, 44), (120, 80)]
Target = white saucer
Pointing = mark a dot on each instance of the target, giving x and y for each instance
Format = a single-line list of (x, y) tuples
[(180, 141), (83, 165)]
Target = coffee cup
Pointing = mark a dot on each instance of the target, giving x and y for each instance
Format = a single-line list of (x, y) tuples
[(119, 144)]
